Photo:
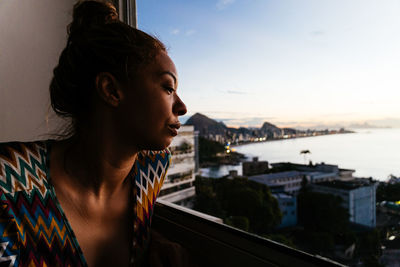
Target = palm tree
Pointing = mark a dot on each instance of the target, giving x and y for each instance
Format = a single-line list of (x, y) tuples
[(305, 152)]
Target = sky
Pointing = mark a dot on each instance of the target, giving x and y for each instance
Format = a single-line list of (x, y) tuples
[(306, 63)]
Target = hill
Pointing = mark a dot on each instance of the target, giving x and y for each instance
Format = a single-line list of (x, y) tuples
[(208, 128)]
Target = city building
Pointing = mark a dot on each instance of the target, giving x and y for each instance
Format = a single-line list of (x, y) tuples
[(318, 177), (346, 174), (281, 182), (288, 207), (254, 167), (319, 172), (179, 183), (319, 167), (358, 195)]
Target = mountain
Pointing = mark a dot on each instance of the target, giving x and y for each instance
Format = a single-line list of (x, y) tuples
[(206, 126), (290, 131), (270, 130)]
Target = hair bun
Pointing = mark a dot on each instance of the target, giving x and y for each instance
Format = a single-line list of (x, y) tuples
[(89, 14)]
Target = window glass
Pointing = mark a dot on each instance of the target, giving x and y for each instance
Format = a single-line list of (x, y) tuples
[(292, 130)]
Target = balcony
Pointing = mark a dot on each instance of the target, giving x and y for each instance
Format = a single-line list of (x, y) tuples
[(214, 244)]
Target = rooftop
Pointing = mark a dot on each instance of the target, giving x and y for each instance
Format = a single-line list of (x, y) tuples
[(272, 176), (314, 173), (344, 170), (302, 165), (347, 185)]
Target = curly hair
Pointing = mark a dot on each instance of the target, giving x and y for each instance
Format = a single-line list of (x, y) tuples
[(97, 42)]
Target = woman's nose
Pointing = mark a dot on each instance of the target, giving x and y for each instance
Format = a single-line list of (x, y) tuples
[(179, 107)]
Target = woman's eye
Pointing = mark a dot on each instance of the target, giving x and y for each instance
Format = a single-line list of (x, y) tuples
[(169, 89)]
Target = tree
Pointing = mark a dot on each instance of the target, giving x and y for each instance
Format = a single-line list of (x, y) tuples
[(208, 150), (369, 246), (305, 153), (239, 198), (322, 213), (185, 147), (388, 192), (240, 222), (206, 200)]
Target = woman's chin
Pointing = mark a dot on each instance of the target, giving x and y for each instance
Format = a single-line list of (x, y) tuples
[(167, 143), (159, 145)]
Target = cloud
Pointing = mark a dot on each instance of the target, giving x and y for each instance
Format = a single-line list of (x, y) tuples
[(339, 114), (236, 92), (321, 124), (175, 31), (384, 122), (190, 32), (178, 31), (222, 4), (317, 33), (245, 122)]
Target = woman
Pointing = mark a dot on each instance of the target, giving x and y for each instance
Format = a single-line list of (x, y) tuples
[(88, 199)]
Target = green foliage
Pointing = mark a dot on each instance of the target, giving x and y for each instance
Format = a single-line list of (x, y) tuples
[(372, 261), (388, 192), (185, 147), (240, 222), (369, 243), (321, 241), (238, 198), (325, 222), (345, 238), (208, 149), (206, 199), (322, 213)]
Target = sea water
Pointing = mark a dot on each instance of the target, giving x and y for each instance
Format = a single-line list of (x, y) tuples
[(370, 152)]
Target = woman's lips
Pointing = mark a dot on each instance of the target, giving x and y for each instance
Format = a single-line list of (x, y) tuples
[(173, 128)]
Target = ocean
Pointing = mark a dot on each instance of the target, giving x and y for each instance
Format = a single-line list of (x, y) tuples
[(370, 152)]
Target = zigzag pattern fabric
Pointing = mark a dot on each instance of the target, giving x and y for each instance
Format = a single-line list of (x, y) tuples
[(149, 173), (33, 228)]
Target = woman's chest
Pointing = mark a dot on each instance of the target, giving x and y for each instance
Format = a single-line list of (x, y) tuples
[(104, 241), (103, 231)]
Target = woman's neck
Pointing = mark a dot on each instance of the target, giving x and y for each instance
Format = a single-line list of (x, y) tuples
[(96, 165)]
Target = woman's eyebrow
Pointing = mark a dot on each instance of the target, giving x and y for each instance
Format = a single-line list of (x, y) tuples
[(170, 74)]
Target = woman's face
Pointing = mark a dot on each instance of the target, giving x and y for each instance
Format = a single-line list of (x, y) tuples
[(151, 106)]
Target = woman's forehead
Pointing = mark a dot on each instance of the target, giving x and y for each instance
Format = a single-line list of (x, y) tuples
[(165, 65)]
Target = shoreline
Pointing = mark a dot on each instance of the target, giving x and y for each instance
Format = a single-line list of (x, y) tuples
[(288, 138)]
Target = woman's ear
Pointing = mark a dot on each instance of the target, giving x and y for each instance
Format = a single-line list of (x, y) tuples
[(109, 89)]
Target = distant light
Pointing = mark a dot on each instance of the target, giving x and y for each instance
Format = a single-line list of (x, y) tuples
[(392, 237), (228, 151)]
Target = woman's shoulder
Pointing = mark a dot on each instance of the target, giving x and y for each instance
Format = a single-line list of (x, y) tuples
[(20, 154), (23, 165)]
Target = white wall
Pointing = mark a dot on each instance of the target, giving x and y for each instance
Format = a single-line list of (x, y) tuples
[(32, 35)]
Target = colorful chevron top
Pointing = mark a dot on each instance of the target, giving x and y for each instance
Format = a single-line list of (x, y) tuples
[(33, 228)]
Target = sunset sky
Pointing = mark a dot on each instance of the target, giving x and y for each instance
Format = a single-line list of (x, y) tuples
[(289, 62)]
